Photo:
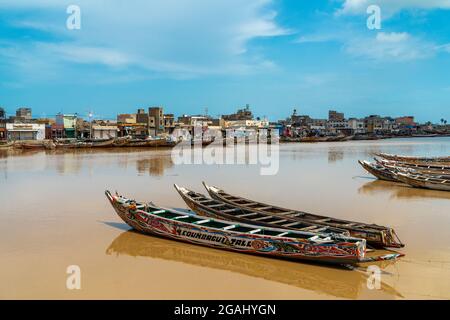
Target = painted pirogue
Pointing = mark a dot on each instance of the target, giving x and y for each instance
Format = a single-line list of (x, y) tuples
[(395, 157), (435, 176), (221, 210), (375, 235), (246, 238), (378, 170), (441, 183)]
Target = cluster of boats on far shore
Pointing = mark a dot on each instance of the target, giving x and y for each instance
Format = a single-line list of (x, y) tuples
[(420, 172), (230, 222), (97, 143)]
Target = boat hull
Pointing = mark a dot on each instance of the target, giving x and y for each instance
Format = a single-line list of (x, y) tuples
[(424, 184), (288, 248), (381, 173), (377, 236)]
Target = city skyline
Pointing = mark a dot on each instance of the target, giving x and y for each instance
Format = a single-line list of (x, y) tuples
[(274, 55)]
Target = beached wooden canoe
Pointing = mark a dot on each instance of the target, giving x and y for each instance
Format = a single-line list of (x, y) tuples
[(221, 210), (103, 144), (378, 170), (377, 236), (281, 243), (417, 165), (6, 145), (424, 181), (413, 159)]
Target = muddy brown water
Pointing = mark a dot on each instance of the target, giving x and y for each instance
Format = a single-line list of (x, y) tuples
[(54, 214)]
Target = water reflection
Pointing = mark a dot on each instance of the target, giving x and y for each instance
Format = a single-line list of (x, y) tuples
[(323, 279), (154, 166), (335, 155), (400, 191)]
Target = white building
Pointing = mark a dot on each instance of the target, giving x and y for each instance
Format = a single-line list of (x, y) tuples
[(247, 124), (357, 125), (104, 132), (25, 131)]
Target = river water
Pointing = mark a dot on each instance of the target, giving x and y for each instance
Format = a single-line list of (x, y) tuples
[(54, 214)]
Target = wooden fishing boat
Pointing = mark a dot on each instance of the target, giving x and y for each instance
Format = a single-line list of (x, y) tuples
[(280, 243), (414, 170), (424, 181), (221, 210), (378, 170), (6, 145), (103, 144), (377, 236), (31, 146), (144, 143), (418, 165), (413, 159)]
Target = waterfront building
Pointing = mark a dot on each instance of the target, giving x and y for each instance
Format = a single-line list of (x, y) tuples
[(126, 118), (54, 131), (407, 121), (104, 131), (241, 114), (356, 126), (24, 113), (25, 131), (68, 121), (2, 130), (142, 117), (156, 120), (134, 130), (334, 116), (169, 123)]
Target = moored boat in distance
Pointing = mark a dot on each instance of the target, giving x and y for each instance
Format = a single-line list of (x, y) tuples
[(377, 236), (281, 243), (6, 145)]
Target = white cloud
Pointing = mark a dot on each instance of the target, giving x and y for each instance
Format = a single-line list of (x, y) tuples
[(172, 37), (390, 46), (390, 7)]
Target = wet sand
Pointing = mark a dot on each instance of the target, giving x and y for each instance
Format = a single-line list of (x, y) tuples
[(54, 214)]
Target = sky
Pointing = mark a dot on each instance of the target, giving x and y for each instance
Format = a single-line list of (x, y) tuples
[(193, 56)]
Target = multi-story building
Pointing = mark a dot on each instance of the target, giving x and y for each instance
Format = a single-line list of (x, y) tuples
[(2, 130), (407, 121), (142, 117), (169, 123), (2, 114), (334, 116), (356, 126), (126, 118), (68, 121), (241, 114), (24, 113), (156, 120)]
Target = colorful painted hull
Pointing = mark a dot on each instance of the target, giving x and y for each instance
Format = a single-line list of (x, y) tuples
[(321, 248)]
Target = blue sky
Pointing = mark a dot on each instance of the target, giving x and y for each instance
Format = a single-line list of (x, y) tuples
[(191, 54)]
